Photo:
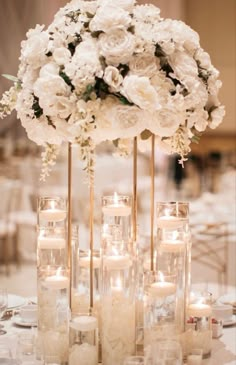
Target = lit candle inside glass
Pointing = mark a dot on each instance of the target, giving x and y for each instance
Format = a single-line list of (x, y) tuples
[(117, 208), (162, 288), (85, 262), (56, 282), (199, 310), (117, 262), (50, 243), (53, 214), (172, 245), (170, 222)]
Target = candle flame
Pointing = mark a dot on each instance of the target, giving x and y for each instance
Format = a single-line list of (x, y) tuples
[(58, 272), (116, 283), (161, 276), (116, 198), (53, 204)]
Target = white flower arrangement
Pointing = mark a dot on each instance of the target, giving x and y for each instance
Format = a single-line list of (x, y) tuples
[(113, 70)]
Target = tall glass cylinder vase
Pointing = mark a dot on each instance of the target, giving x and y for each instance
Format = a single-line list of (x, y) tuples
[(51, 246), (53, 312), (174, 253), (118, 282)]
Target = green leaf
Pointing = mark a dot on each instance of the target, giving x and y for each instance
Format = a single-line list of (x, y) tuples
[(10, 77)]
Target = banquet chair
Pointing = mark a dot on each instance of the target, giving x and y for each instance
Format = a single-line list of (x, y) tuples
[(210, 248), (7, 228)]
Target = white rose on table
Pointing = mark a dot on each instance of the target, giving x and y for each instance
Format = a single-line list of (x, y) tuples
[(113, 78), (124, 4), (144, 65), (34, 49), (116, 46), (108, 17), (61, 55), (138, 90)]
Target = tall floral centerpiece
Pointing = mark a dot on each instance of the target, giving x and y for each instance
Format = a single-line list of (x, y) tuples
[(113, 70)]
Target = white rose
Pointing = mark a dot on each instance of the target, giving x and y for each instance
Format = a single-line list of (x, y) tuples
[(124, 4), (217, 116), (147, 13), (34, 49), (61, 56), (203, 58), (45, 87), (139, 91), (39, 131), (165, 122), (49, 69), (198, 119), (183, 64), (116, 46), (108, 17), (144, 65), (113, 78), (115, 120), (58, 106)]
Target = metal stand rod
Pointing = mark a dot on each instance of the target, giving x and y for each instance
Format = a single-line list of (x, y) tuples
[(69, 228), (91, 238), (135, 189), (152, 198)]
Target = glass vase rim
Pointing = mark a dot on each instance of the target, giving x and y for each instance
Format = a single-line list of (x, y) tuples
[(173, 203)]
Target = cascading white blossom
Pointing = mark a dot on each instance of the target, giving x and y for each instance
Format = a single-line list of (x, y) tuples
[(113, 70)]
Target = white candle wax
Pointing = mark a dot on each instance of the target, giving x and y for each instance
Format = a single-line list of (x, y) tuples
[(172, 245), (162, 289), (84, 354), (53, 215), (117, 262), (85, 262), (170, 222), (84, 323), (199, 310), (56, 282), (116, 209), (194, 360), (50, 243)]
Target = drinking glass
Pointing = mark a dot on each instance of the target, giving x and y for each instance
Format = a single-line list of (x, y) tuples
[(26, 347), (5, 352), (167, 352), (134, 360), (3, 307)]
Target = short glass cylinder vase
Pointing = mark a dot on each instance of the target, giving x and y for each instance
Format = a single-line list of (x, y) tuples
[(198, 333), (172, 215), (116, 217), (51, 246), (117, 304), (160, 293), (51, 211), (53, 312), (83, 340)]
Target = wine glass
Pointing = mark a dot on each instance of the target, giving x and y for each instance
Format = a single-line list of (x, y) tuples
[(3, 306)]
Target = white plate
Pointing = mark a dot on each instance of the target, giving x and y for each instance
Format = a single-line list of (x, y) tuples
[(15, 301), (228, 299), (19, 322), (229, 322)]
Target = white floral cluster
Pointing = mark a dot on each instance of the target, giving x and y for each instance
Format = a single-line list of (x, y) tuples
[(112, 70)]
